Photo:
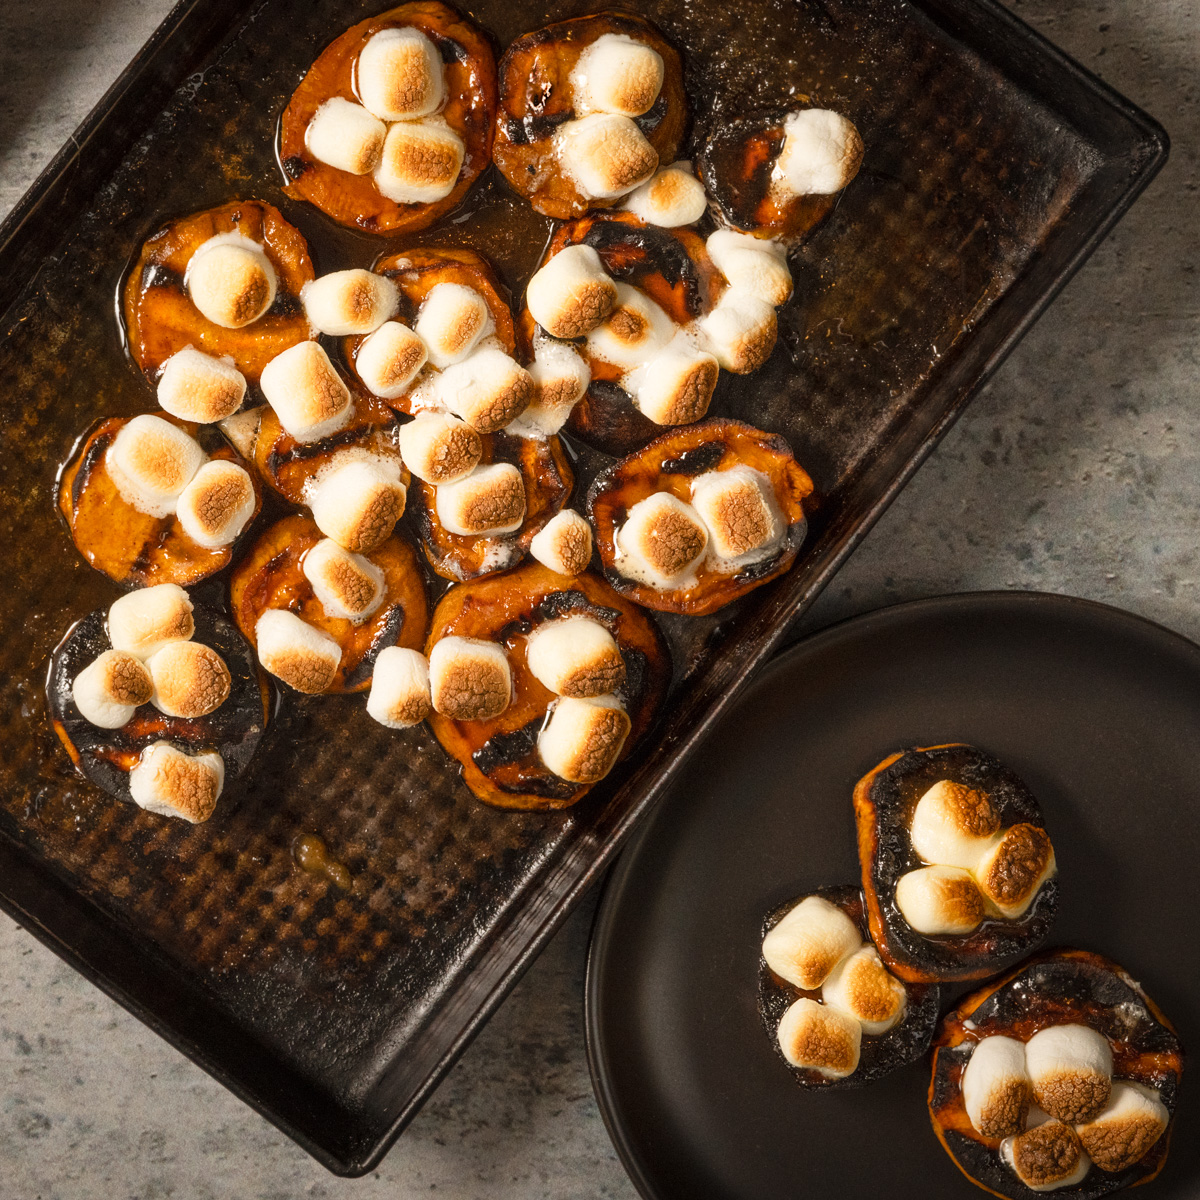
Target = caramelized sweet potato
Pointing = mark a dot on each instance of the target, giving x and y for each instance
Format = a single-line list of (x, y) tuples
[(499, 757), (470, 110), (271, 576)]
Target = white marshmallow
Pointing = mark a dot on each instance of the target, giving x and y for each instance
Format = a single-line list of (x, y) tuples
[(488, 389), (421, 161), (1046, 1157), (399, 75), (440, 448), (821, 153), (953, 825), (190, 680), (751, 264), (349, 302), (296, 652), (571, 293), (308, 395), (661, 542), (635, 330), (144, 621), (937, 899), (151, 461), (230, 280), (560, 378), (861, 987), (346, 136), (575, 656), (1070, 1068), (740, 331), (809, 942), (604, 155), (616, 74), (676, 386), (358, 503), (995, 1087), (671, 197), (488, 501), (820, 1038), (213, 509), (1134, 1119), (389, 359), (1013, 869), (171, 783), (469, 679), (347, 585), (109, 689), (452, 320), (583, 739), (198, 387), (564, 543), (399, 696), (739, 510), (241, 431)]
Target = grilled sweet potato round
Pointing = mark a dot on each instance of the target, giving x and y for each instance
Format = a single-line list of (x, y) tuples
[(536, 99), (1060, 987), (499, 757), (160, 318), (884, 801), (470, 110), (669, 464), (106, 756), (271, 576), (905, 1042), (129, 546)]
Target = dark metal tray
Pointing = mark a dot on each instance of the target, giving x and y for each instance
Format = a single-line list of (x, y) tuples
[(994, 166)]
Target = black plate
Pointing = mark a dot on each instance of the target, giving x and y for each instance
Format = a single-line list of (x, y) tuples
[(1097, 710)]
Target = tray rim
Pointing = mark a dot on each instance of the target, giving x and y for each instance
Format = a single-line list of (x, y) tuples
[(45, 895)]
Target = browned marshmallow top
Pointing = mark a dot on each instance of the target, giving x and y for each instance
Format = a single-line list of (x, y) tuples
[(190, 679)]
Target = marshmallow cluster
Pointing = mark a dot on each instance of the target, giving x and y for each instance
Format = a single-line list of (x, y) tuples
[(817, 946), (230, 280), (976, 869)]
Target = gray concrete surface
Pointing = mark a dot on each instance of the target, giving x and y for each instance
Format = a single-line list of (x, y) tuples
[(1078, 471)]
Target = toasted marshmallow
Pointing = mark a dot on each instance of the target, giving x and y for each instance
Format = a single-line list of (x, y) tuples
[(583, 738), (809, 942), (1070, 1068), (347, 585), (633, 332), (953, 825), (575, 656), (605, 156), (661, 542), (151, 461), (560, 378), (751, 264), (740, 331), (616, 74), (487, 389), (198, 387), (349, 302), (346, 136), (358, 503), (440, 448), (399, 695), (109, 689), (399, 75), (214, 508), (1047, 1157), (1134, 1119), (571, 293), (452, 320), (671, 197), (296, 652), (939, 899), (995, 1087), (308, 395), (1012, 870), (145, 621), (488, 501), (564, 543), (388, 361), (241, 431), (190, 680), (739, 510), (469, 679), (230, 280), (676, 386), (171, 783), (821, 153), (420, 161), (863, 988), (821, 1038)]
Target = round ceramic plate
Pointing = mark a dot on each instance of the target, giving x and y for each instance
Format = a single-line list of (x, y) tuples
[(1097, 710)]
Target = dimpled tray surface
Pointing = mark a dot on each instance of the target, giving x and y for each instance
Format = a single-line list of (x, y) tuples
[(993, 167)]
